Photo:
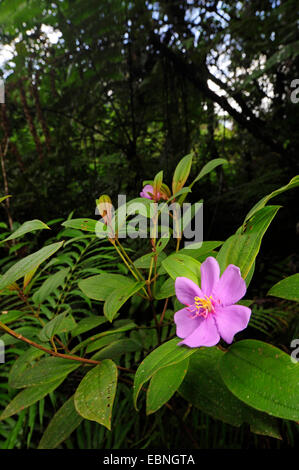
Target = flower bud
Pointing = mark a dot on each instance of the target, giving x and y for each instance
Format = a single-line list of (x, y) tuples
[(104, 205)]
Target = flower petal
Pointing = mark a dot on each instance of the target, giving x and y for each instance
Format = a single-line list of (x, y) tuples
[(230, 320), (231, 287), (186, 290), (185, 324), (146, 190), (210, 273), (206, 334)]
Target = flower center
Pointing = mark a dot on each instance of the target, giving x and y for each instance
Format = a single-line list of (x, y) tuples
[(201, 307)]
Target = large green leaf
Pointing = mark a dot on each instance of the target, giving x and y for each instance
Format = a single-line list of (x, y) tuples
[(29, 226), (95, 395), (242, 248), (166, 290), (101, 342), (210, 166), (23, 362), (164, 383), (28, 397), (181, 173), (88, 323), (262, 376), (165, 355), (118, 297), (259, 205), (182, 265), (125, 326), (27, 264), (205, 389), (117, 348), (46, 370), (144, 261), (99, 287), (287, 288), (205, 248), (11, 315), (63, 423), (88, 225), (62, 323)]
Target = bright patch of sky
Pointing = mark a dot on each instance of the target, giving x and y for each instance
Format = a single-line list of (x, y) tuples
[(7, 51)]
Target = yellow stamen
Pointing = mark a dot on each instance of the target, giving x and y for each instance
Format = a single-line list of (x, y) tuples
[(205, 303)]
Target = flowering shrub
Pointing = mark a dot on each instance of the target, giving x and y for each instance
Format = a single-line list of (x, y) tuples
[(175, 316)]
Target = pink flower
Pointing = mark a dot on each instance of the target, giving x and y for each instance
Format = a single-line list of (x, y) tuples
[(210, 312), (148, 192)]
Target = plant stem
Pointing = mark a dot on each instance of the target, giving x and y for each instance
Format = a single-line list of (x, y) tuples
[(164, 310), (128, 266), (53, 353), (129, 260)]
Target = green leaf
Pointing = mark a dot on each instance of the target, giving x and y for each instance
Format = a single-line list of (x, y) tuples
[(27, 264), (205, 389), (49, 285), (23, 362), (161, 244), (88, 225), (205, 248), (44, 371), (165, 355), (101, 342), (181, 173), (62, 323), (242, 248), (262, 376), (210, 166), (12, 439), (259, 205), (29, 226), (28, 397), (182, 265), (144, 261), (116, 349), (287, 288), (99, 287), (63, 423), (250, 274), (118, 297), (4, 197), (158, 182), (95, 395), (164, 383), (10, 316), (87, 324), (128, 325), (166, 290)]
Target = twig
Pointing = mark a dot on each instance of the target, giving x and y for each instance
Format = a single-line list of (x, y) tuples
[(54, 353)]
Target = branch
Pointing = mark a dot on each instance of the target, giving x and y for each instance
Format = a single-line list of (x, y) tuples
[(54, 353), (199, 75)]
